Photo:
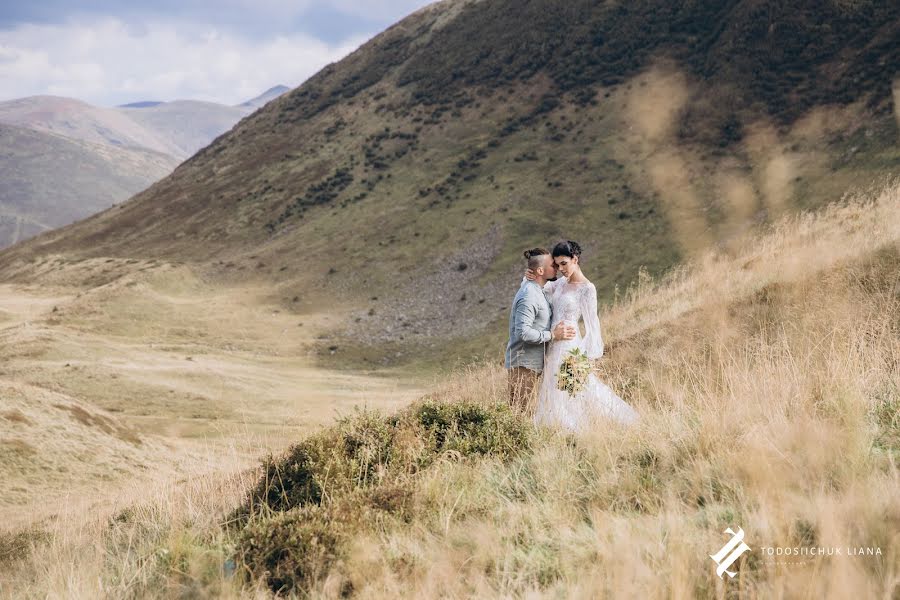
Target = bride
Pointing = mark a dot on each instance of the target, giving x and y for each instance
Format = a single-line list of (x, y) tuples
[(573, 298)]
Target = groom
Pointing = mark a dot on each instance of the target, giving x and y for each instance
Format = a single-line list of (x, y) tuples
[(529, 331)]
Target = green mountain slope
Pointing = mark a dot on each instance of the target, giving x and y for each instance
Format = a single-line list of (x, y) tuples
[(400, 185)]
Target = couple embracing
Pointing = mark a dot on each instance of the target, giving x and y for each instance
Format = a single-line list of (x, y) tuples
[(543, 330)]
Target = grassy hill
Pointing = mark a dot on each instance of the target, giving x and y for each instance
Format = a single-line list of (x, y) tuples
[(63, 159), (47, 180), (766, 379), (399, 186), (145, 374), (79, 120)]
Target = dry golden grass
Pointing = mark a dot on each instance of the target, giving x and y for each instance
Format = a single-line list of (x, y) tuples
[(149, 377), (768, 380)]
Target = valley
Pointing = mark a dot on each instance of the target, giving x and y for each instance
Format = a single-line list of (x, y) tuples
[(154, 376)]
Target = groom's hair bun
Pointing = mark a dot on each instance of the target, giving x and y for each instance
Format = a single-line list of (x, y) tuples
[(529, 254), (534, 257), (567, 248)]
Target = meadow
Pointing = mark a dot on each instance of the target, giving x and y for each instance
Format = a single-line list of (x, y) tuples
[(767, 376)]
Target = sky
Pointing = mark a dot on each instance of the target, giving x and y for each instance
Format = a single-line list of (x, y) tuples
[(109, 52)]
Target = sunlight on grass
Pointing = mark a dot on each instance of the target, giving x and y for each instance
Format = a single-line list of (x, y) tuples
[(768, 384)]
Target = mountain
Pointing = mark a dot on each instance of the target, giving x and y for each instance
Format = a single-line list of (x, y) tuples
[(64, 159), (48, 180), (144, 104), (187, 124), (79, 120), (266, 97), (399, 186)]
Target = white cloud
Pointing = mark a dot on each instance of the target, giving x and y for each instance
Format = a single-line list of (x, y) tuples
[(109, 62)]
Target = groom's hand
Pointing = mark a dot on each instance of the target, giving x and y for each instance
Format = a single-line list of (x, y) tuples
[(563, 331)]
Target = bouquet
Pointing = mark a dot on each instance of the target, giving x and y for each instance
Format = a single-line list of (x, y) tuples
[(573, 372)]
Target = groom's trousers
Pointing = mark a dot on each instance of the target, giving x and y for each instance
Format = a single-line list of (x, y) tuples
[(522, 383)]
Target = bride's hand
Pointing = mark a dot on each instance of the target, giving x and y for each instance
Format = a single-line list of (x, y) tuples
[(529, 275)]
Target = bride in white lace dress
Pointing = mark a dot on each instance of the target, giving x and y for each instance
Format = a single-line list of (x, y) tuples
[(573, 298)]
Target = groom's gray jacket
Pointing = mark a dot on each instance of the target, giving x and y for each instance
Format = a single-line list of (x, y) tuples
[(529, 328)]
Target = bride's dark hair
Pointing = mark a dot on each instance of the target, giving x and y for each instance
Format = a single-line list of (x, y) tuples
[(567, 248)]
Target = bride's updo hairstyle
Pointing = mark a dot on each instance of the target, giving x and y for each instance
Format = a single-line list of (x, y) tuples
[(568, 248)]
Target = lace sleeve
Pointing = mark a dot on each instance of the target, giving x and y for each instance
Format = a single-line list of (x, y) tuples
[(593, 339)]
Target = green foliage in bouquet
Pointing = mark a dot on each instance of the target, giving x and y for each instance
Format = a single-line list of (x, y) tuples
[(573, 372)]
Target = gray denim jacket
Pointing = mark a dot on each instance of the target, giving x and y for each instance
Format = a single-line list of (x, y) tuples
[(529, 328)]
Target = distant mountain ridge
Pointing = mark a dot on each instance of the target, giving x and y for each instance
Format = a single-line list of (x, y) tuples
[(144, 104), (187, 125), (62, 159), (48, 180), (79, 120), (266, 97)]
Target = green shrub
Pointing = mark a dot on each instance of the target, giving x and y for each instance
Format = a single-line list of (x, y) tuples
[(288, 482), (290, 550), (366, 449), (361, 473), (15, 546), (471, 429)]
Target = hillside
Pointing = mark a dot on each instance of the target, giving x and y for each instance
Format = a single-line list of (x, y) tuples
[(141, 104), (79, 120), (47, 180), (400, 185), (187, 124), (767, 383), (63, 159)]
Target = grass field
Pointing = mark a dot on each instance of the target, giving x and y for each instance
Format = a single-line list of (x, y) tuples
[(152, 375), (767, 375)]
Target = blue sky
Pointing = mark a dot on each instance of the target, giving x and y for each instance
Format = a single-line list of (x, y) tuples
[(108, 53)]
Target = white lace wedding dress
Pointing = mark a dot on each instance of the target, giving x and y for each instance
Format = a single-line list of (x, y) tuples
[(573, 302)]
